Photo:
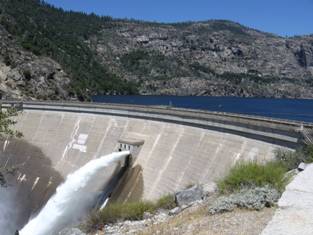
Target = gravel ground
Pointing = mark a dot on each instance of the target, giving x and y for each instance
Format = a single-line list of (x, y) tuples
[(232, 223), (196, 220)]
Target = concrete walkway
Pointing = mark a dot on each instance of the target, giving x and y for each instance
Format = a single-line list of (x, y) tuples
[(295, 213)]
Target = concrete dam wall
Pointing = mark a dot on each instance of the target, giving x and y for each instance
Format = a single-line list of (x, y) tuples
[(180, 147)]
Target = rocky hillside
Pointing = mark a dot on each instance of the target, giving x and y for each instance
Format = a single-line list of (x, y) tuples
[(101, 55), (24, 75), (207, 58)]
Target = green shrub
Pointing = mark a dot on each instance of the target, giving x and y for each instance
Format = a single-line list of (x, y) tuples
[(166, 202), (252, 174), (128, 211), (292, 159), (289, 159), (60, 35), (308, 153)]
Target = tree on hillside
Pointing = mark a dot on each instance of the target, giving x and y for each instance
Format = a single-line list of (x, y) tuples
[(7, 131), (7, 123)]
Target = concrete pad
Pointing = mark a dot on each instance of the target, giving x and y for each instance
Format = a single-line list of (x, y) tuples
[(295, 213)]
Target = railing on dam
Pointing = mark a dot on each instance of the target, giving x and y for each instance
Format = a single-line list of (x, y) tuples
[(282, 132)]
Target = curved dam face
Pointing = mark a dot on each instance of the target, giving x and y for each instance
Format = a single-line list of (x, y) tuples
[(58, 141)]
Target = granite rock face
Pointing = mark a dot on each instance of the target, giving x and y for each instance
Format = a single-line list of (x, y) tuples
[(24, 75), (111, 56), (219, 58)]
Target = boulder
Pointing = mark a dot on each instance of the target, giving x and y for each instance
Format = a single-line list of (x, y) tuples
[(302, 166), (209, 189), (189, 195), (175, 211)]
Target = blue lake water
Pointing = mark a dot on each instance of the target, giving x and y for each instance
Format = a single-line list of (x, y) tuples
[(293, 109)]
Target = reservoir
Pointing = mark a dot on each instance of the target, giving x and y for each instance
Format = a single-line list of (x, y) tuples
[(291, 109)]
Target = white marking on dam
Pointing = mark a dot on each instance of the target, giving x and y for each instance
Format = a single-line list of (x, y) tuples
[(80, 145), (179, 181), (49, 182), (72, 141), (253, 154), (35, 183), (146, 159), (240, 153), (109, 126), (213, 159), (165, 166), (37, 127), (5, 145), (23, 178)]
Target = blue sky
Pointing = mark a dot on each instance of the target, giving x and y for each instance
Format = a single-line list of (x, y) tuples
[(283, 17)]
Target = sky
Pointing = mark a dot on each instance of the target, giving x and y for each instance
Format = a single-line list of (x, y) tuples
[(282, 17)]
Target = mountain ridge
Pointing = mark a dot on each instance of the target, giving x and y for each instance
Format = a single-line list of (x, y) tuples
[(102, 55)]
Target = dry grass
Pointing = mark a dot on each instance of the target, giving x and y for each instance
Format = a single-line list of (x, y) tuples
[(175, 223), (199, 222)]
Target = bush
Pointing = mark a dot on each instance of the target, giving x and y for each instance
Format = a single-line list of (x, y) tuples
[(60, 35), (252, 174), (128, 211), (256, 199), (291, 160), (166, 202), (116, 212)]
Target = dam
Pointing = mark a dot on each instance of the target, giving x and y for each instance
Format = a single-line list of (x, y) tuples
[(173, 147)]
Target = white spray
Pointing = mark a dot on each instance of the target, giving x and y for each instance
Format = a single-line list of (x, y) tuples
[(9, 212), (72, 199)]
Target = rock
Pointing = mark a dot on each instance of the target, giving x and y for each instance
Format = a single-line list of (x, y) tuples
[(189, 195), (256, 198), (302, 166), (147, 215), (142, 39), (175, 211), (160, 217), (71, 231), (209, 188)]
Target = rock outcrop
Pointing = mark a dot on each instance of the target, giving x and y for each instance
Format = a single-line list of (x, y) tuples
[(218, 58), (24, 75), (102, 55)]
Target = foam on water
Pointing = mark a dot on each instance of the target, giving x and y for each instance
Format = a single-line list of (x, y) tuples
[(72, 199)]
